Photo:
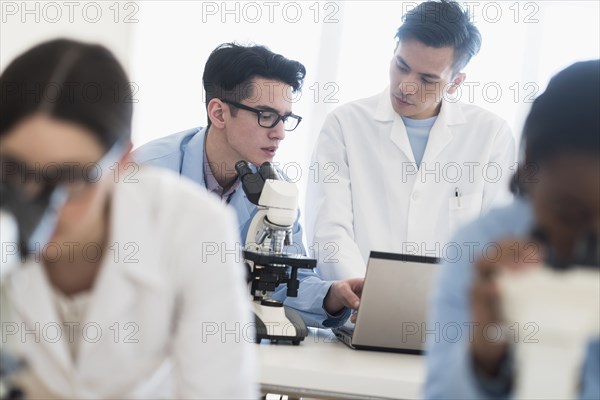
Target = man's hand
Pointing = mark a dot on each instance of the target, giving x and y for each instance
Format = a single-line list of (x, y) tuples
[(514, 254), (342, 294)]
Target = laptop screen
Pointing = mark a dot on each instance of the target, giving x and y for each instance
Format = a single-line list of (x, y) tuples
[(394, 302)]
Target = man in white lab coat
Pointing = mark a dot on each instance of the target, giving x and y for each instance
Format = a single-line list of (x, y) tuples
[(400, 171)]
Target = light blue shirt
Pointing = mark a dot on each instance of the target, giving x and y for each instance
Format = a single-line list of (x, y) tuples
[(450, 374), (183, 153), (418, 135), (213, 186)]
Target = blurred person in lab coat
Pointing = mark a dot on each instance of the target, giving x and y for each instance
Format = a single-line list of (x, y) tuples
[(401, 170), (249, 92), (554, 220), (116, 303)]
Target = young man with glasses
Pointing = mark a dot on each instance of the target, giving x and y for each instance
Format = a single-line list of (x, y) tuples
[(248, 102)]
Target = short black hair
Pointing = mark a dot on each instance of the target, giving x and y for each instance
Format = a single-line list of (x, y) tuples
[(231, 68), (442, 24), (564, 119), (68, 80)]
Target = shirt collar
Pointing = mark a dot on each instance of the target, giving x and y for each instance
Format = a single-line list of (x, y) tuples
[(211, 182)]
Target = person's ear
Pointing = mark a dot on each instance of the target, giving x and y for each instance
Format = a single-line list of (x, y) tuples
[(216, 112), (458, 79)]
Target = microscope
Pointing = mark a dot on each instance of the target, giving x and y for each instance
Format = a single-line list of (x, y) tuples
[(269, 263), (556, 309)]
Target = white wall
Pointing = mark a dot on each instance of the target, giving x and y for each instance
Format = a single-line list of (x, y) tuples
[(345, 46), (26, 23)]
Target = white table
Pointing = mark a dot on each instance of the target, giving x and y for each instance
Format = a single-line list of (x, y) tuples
[(323, 367)]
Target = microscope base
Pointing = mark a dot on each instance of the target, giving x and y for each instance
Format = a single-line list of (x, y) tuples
[(278, 324)]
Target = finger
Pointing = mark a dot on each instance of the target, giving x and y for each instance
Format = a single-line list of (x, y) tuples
[(486, 270), (485, 302), (357, 286), (521, 253), (349, 298)]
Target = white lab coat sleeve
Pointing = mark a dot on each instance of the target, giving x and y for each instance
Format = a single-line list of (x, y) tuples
[(496, 192), (212, 347), (330, 219)]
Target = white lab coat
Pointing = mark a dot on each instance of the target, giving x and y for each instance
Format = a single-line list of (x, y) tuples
[(369, 193), (158, 311)]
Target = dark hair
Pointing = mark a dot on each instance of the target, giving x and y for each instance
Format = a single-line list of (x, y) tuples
[(442, 24), (231, 68), (72, 81), (564, 119)]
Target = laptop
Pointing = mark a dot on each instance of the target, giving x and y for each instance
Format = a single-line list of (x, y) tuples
[(393, 310)]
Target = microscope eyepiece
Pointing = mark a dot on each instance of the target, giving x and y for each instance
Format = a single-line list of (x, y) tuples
[(586, 252), (268, 171), (242, 167), (252, 182)]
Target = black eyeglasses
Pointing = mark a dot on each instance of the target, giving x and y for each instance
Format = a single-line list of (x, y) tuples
[(36, 201), (268, 119), (34, 182)]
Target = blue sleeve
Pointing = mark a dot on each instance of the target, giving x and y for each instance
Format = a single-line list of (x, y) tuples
[(591, 372), (450, 374), (311, 293), (168, 151)]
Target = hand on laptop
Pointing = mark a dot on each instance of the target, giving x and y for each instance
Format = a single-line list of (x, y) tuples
[(342, 294)]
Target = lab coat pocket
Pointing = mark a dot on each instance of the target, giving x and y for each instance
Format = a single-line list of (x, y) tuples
[(463, 210)]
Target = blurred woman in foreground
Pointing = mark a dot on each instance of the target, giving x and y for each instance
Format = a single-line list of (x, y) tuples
[(122, 302)]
